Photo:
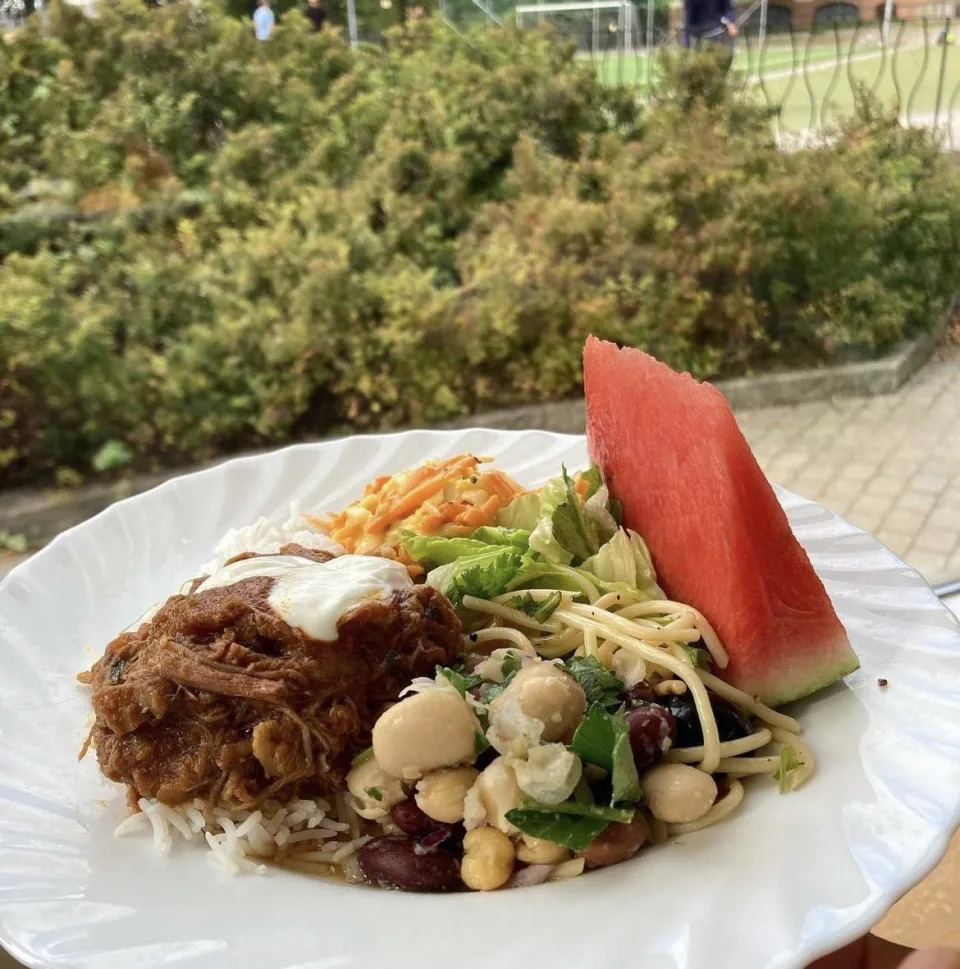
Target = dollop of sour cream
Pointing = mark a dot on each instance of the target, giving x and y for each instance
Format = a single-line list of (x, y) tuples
[(313, 596)]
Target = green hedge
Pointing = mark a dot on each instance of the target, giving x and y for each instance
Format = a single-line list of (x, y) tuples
[(385, 237)]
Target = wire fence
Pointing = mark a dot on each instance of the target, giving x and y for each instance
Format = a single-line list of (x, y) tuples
[(810, 79)]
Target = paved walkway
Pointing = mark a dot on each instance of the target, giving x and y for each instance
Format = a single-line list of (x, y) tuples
[(890, 464)]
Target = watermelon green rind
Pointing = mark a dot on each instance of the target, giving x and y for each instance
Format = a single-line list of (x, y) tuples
[(674, 456), (806, 678)]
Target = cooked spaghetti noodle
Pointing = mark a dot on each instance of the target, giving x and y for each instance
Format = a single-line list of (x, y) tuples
[(655, 631)]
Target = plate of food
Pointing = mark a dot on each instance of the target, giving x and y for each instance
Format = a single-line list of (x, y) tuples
[(454, 697)]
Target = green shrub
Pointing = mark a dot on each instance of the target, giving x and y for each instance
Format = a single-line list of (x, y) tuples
[(280, 239)]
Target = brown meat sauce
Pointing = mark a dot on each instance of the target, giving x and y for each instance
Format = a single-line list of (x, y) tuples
[(217, 697)]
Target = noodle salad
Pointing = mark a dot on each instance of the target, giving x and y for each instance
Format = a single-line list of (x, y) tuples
[(585, 717)]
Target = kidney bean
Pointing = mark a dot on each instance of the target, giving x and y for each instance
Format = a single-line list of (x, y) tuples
[(397, 862), (652, 731), (408, 817), (617, 842)]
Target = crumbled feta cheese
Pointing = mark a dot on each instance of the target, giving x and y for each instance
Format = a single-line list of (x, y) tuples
[(549, 773), (491, 669), (511, 731), (629, 667)]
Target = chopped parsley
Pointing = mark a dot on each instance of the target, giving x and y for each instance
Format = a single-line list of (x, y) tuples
[(571, 824), (374, 792), (539, 610), (599, 684), (697, 655), (457, 680), (603, 739)]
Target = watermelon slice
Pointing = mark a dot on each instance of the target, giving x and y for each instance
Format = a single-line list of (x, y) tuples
[(672, 452)]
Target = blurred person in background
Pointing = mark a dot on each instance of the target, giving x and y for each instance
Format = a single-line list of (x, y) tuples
[(263, 20), (708, 20), (316, 14)]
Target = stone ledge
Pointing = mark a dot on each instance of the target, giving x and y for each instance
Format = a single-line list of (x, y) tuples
[(40, 514)]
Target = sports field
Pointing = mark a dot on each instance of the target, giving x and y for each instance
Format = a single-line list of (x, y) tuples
[(815, 86)]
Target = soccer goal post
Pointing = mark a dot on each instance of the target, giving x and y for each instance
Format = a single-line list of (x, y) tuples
[(597, 12)]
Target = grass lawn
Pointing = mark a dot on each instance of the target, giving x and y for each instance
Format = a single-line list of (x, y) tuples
[(910, 82), (633, 67), (822, 93)]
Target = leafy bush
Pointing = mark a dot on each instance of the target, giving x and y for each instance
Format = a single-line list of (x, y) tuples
[(210, 243)]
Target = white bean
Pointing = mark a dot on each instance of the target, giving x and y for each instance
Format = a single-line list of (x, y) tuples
[(549, 695), (423, 732), (678, 793)]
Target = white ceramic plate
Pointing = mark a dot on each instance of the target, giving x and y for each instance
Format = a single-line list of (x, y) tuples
[(786, 880)]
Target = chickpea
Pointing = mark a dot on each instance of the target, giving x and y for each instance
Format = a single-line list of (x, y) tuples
[(440, 794), (539, 851), (550, 695), (677, 793), (374, 792), (423, 732), (487, 859), (499, 793)]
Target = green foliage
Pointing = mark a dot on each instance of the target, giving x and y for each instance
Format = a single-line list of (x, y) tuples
[(210, 242)]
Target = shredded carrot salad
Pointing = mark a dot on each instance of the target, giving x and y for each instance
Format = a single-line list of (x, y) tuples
[(449, 497)]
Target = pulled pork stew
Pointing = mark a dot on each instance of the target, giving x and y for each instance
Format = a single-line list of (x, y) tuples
[(219, 698)]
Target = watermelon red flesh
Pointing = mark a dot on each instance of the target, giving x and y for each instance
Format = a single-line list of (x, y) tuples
[(672, 453)]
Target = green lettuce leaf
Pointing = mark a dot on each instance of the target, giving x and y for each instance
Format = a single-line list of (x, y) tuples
[(524, 512), (542, 538), (575, 530), (498, 535), (484, 575), (789, 762), (625, 559), (596, 510), (435, 550)]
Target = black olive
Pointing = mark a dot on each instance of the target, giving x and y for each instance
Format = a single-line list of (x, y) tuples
[(684, 713), (731, 723)]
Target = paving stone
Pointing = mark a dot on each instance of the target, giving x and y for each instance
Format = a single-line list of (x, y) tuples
[(906, 520), (934, 539)]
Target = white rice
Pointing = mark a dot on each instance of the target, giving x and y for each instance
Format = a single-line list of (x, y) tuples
[(240, 840), (268, 536)]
